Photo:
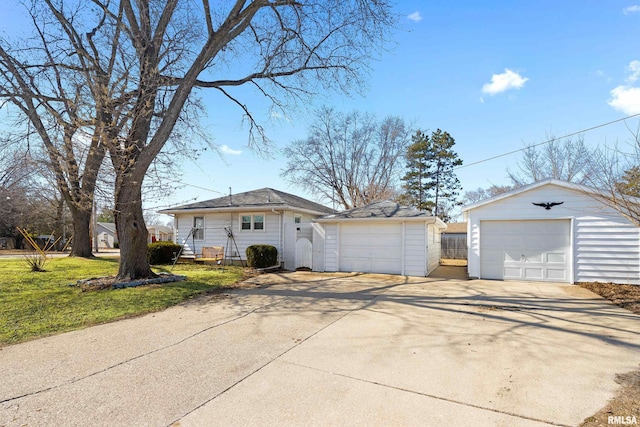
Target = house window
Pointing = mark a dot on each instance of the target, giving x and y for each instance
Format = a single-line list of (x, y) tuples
[(258, 222), (252, 222), (297, 219), (198, 224)]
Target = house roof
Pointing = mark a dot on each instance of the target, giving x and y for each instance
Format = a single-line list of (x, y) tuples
[(564, 184), (257, 199), (160, 228), (386, 209), (456, 227), (109, 226)]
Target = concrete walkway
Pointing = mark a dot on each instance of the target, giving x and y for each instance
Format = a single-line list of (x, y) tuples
[(308, 349)]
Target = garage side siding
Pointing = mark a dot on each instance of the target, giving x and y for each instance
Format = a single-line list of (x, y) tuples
[(434, 250), (607, 250), (331, 247), (415, 247)]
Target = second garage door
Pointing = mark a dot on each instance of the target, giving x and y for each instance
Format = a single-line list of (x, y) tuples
[(371, 247), (526, 250)]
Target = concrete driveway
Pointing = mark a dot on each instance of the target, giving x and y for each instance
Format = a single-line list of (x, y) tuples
[(309, 349)]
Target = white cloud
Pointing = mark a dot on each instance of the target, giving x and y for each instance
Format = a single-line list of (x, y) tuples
[(634, 68), (631, 9), (415, 16), (504, 82), (228, 150), (626, 99)]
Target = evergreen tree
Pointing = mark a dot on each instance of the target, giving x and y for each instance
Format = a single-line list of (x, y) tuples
[(430, 183)]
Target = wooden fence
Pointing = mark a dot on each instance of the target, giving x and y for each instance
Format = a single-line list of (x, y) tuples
[(453, 246)]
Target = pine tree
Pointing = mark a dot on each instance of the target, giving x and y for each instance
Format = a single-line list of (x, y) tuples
[(430, 183)]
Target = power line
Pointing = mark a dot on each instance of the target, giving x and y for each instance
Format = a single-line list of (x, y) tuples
[(548, 141)]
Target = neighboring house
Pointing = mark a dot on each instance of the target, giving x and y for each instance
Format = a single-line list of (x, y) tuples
[(454, 241), (107, 236), (382, 237), (580, 240), (264, 216), (160, 233)]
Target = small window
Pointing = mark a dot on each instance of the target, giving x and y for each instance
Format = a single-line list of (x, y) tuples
[(252, 222), (258, 222), (245, 222), (297, 219), (198, 225)]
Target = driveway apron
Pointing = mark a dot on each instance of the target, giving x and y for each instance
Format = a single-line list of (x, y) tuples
[(309, 349)]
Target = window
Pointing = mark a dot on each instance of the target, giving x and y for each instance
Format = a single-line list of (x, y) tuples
[(198, 224), (297, 219), (252, 222), (258, 222)]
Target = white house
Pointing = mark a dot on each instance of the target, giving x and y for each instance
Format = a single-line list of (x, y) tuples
[(107, 235), (551, 231), (382, 237), (264, 216), (159, 233)]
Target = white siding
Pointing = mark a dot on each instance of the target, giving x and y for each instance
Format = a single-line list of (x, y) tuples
[(331, 247), (318, 247), (415, 249), (417, 255), (433, 248), (215, 235), (605, 245), (607, 250)]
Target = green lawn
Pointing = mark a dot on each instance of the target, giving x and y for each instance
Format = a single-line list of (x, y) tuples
[(38, 304)]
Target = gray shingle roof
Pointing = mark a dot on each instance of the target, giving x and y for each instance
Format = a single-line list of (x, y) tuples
[(383, 209), (264, 197), (456, 228)]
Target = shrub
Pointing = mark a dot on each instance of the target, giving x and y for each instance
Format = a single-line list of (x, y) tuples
[(162, 252), (261, 256)]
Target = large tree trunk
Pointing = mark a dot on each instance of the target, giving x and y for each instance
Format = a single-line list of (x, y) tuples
[(81, 233), (132, 231)]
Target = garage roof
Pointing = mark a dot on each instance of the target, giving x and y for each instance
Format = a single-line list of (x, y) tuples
[(384, 210)]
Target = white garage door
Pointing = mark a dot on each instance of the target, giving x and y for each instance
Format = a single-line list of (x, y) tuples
[(371, 248), (525, 250)]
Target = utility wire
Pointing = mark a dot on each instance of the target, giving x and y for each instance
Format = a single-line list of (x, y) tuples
[(547, 141)]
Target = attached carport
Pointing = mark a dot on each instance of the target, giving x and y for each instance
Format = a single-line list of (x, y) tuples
[(382, 237)]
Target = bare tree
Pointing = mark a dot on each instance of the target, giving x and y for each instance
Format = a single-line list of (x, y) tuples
[(616, 177), (479, 194), (349, 159), (568, 160), (140, 61)]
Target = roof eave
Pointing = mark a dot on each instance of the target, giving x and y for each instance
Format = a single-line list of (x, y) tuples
[(565, 184), (243, 208), (427, 219)]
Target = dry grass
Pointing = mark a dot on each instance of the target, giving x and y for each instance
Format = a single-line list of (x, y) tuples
[(626, 403)]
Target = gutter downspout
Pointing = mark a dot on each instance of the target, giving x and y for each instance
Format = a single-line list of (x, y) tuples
[(280, 237)]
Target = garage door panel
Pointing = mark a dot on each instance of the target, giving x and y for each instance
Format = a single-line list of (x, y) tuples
[(526, 250), (371, 248)]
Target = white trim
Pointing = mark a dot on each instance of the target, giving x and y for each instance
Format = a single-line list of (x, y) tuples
[(204, 227), (251, 208), (252, 225), (516, 191), (404, 248), (429, 220)]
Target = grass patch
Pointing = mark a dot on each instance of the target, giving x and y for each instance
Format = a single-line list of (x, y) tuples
[(35, 304)]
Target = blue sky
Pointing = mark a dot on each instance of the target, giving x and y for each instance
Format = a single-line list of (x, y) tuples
[(495, 74)]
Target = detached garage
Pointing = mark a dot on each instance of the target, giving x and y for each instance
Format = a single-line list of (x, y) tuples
[(382, 237), (551, 231)]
